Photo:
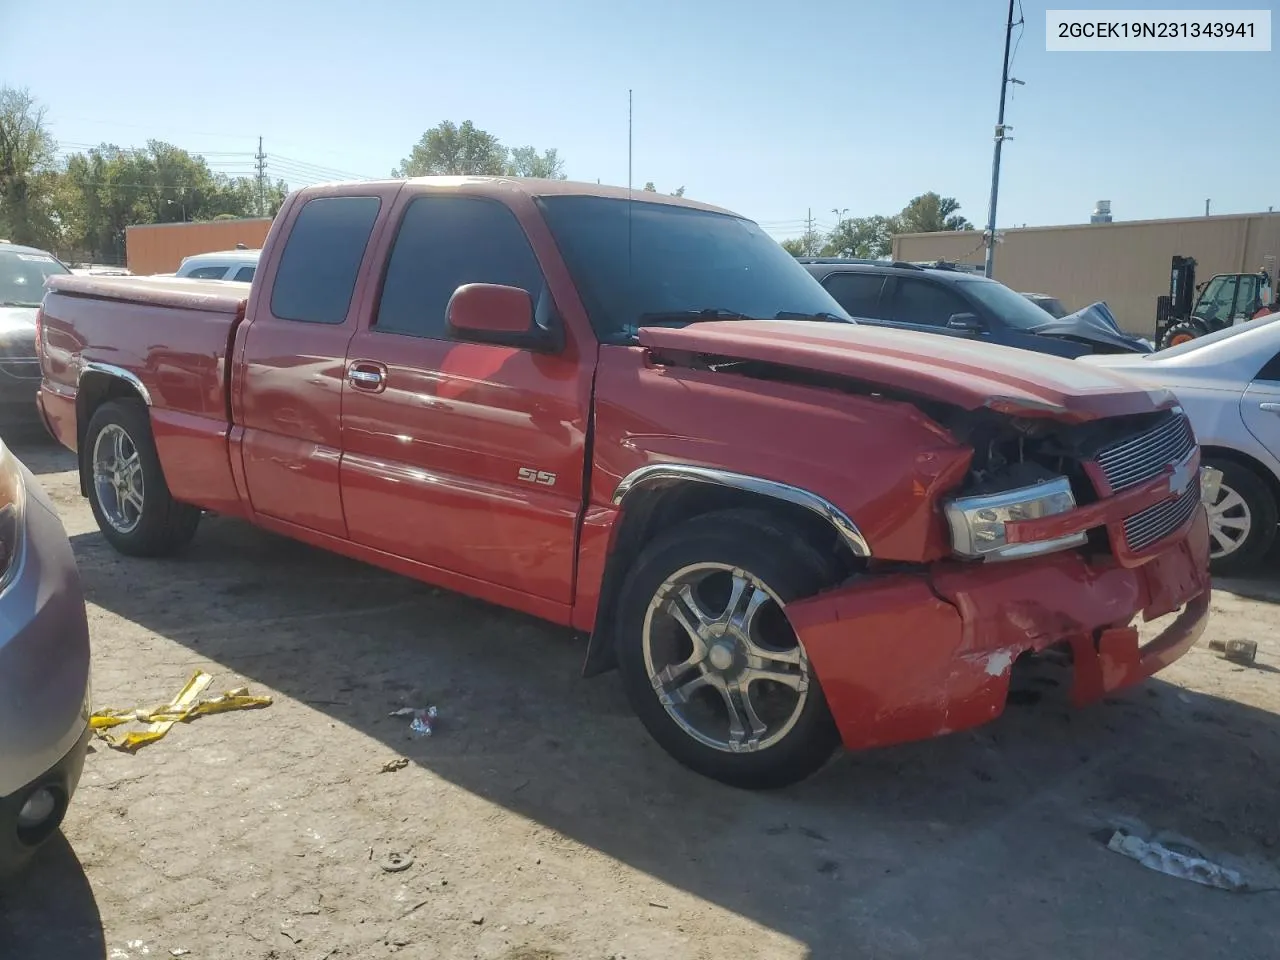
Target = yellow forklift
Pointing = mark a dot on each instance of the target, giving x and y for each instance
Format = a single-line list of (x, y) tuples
[(1224, 300)]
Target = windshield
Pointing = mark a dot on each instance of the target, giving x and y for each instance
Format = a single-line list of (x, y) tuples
[(676, 265), (22, 277), (1013, 308)]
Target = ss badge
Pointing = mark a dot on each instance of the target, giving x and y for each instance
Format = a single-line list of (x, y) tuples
[(530, 475)]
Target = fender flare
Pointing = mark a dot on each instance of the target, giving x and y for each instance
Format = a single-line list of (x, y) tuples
[(774, 489), (119, 373)]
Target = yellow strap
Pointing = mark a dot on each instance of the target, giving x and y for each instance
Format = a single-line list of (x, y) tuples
[(182, 708)]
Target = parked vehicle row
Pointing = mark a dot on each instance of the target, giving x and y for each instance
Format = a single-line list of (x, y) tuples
[(641, 419), (948, 302)]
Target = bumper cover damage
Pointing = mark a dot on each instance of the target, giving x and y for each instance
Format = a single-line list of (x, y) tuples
[(911, 656)]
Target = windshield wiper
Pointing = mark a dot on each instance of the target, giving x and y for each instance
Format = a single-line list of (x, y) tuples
[(661, 317), (15, 303), (821, 315)]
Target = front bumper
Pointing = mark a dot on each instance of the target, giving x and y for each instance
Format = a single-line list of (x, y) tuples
[(18, 844), (44, 649), (910, 656)]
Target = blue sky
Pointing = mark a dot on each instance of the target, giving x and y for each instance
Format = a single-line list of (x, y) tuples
[(769, 109)]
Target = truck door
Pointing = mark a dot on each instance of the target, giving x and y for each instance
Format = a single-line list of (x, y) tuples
[(465, 457), (287, 388)]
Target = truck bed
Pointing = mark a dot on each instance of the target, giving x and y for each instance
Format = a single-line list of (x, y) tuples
[(173, 335)]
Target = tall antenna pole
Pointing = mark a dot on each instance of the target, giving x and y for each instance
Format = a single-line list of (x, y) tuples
[(628, 140), (261, 159), (990, 238)]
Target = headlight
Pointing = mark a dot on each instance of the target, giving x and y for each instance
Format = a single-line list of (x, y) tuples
[(978, 523), (12, 503)]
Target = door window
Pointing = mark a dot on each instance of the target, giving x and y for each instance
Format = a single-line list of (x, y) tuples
[(444, 243), (926, 304), (321, 259), (245, 274), (858, 293)]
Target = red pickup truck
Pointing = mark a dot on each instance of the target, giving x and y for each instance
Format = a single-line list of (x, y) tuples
[(638, 417)]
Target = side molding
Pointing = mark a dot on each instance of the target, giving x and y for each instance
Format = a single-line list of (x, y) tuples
[(669, 472), (119, 373)]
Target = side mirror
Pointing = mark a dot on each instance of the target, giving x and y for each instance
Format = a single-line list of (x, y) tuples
[(966, 323), (496, 314)]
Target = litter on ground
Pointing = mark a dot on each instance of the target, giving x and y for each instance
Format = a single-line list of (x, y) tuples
[(183, 708)]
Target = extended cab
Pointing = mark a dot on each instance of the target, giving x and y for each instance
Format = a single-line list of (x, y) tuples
[(638, 417)]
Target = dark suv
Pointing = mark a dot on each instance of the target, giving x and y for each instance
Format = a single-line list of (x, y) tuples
[(943, 299)]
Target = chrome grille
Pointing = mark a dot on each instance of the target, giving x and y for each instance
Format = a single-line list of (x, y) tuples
[(1135, 459), (1146, 527)]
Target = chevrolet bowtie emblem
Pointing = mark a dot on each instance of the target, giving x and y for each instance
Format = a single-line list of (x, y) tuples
[(1181, 477)]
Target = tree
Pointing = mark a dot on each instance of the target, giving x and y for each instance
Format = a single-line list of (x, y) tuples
[(28, 180), (527, 162), (456, 150), (650, 188), (867, 238), (931, 213), (106, 189)]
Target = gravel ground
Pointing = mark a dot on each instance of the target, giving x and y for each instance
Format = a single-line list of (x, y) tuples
[(542, 823)]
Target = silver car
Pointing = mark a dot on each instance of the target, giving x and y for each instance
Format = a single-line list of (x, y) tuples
[(44, 667)]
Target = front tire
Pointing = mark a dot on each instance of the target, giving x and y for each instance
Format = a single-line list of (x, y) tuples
[(708, 659), (127, 490), (1181, 333), (1242, 519)]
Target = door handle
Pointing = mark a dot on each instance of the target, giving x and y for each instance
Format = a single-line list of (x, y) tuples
[(367, 375), (1269, 407)]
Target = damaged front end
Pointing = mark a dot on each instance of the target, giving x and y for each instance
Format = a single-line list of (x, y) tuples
[(1061, 534)]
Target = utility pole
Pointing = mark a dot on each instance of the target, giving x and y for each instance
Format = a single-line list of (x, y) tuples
[(261, 159), (990, 238), (808, 234)]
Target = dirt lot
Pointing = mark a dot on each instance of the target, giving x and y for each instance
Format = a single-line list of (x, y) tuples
[(542, 822)]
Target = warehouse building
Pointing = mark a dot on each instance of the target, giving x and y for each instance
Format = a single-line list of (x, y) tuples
[(1124, 263), (160, 247)]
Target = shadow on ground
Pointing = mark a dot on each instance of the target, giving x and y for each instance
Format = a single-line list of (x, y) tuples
[(955, 847), (50, 911)]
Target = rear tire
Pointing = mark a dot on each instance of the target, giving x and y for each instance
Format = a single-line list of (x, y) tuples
[(1242, 519), (127, 490), (681, 682)]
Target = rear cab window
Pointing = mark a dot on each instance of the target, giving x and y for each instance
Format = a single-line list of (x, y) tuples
[(207, 273), (321, 261)]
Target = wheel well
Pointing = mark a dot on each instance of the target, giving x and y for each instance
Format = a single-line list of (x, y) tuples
[(648, 511), (1244, 460), (94, 390)]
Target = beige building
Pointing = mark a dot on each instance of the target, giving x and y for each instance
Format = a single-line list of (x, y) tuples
[(1126, 264)]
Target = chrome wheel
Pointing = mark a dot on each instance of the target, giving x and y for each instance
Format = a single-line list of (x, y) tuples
[(723, 659), (1230, 522), (117, 478)]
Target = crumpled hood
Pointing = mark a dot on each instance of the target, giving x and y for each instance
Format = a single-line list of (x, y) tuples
[(963, 373), (1095, 324)]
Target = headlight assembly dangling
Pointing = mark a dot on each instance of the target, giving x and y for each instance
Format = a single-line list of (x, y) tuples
[(12, 505), (978, 522)]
